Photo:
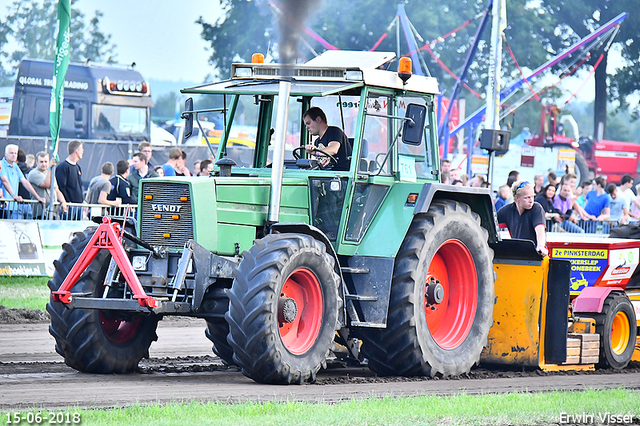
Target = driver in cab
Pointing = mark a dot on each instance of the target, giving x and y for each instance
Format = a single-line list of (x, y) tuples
[(331, 140)]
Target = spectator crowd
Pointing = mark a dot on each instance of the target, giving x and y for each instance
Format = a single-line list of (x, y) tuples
[(594, 206), (29, 177)]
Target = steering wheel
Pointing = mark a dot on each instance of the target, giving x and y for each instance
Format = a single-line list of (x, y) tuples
[(329, 163), (297, 152)]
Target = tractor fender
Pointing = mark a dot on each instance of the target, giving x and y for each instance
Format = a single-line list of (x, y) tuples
[(591, 299), (305, 228), (479, 199)]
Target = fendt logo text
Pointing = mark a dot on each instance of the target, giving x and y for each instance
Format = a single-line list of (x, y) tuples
[(165, 208)]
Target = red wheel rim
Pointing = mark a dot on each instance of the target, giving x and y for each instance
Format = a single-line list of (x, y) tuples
[(118, 330), (299, 335), (450, 321)]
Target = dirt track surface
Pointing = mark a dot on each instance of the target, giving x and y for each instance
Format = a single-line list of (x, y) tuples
[(182, 368), (22, 316)]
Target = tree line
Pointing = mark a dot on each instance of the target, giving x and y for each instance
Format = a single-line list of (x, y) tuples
[(31, 26), (537, 30)]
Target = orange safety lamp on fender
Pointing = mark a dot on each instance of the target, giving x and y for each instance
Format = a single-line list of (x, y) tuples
[(404, 69), (257, 58)]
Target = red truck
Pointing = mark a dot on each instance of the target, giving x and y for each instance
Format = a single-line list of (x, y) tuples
[(611, 159)]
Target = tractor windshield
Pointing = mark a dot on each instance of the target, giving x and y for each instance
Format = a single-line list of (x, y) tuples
[(253, 123)]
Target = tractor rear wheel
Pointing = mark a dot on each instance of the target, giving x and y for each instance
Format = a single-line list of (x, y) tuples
[(442, 297), (283, 309), (92, 340), (617, 328)]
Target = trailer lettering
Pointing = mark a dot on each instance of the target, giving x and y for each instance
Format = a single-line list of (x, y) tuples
[(586, 268), (583, 262), (578, 253)]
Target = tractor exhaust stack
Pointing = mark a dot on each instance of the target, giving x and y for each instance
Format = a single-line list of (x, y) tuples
[(282, 119)]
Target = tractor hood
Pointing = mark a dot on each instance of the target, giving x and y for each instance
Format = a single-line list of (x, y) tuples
[(222, 213)]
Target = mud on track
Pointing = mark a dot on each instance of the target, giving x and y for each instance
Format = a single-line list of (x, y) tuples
[(182, 367)]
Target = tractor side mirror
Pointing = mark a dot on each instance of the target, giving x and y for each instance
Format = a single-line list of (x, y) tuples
[(414, 124), (188, 116)]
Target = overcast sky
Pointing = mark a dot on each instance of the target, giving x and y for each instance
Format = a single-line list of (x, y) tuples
[(160, 36)]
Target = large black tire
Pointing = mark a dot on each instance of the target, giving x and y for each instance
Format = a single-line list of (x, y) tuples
[(217, 331), (617, 328), (91, 340), (276, 269), (426, 338), (581, 169)]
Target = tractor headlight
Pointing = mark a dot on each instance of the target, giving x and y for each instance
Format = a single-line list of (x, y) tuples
[(353, 75), (139, 263), (243, 72)]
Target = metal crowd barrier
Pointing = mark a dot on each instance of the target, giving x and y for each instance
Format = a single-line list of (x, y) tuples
[(582, 227), (34, 210)]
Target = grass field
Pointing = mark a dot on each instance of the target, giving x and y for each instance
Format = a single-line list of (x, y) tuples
[(23, 292), (505, 409)]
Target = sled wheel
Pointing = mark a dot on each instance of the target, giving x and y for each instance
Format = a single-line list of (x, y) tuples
[(442, 296), (617, 328), (283, 309), (91, 340), (620, 333)]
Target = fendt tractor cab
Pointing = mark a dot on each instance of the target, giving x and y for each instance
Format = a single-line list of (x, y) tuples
[(100, 102), (288, 260)]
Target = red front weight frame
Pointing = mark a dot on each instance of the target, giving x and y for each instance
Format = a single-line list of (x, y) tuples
[(107, 236)]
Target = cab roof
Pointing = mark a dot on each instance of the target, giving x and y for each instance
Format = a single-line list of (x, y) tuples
[(332, 72)]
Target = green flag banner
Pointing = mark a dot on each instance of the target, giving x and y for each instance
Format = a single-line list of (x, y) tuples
[(61, 63)]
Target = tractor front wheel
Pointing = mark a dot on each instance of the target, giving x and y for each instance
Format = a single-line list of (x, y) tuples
[(283, 309), (442, 296), (92, 340)]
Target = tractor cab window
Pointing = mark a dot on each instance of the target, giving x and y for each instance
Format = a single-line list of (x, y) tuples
[(294, 124), (242, 134), (423, 155), (327, 201), (377, 135), (342, 112)]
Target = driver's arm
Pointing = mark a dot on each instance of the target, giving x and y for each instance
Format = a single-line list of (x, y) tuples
[(331, 149)]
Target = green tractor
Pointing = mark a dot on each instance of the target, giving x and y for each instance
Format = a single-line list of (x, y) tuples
[(290, 261)]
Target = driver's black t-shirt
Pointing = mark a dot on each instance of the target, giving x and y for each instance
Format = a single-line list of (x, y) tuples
[(334, 133), (522, 226)]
